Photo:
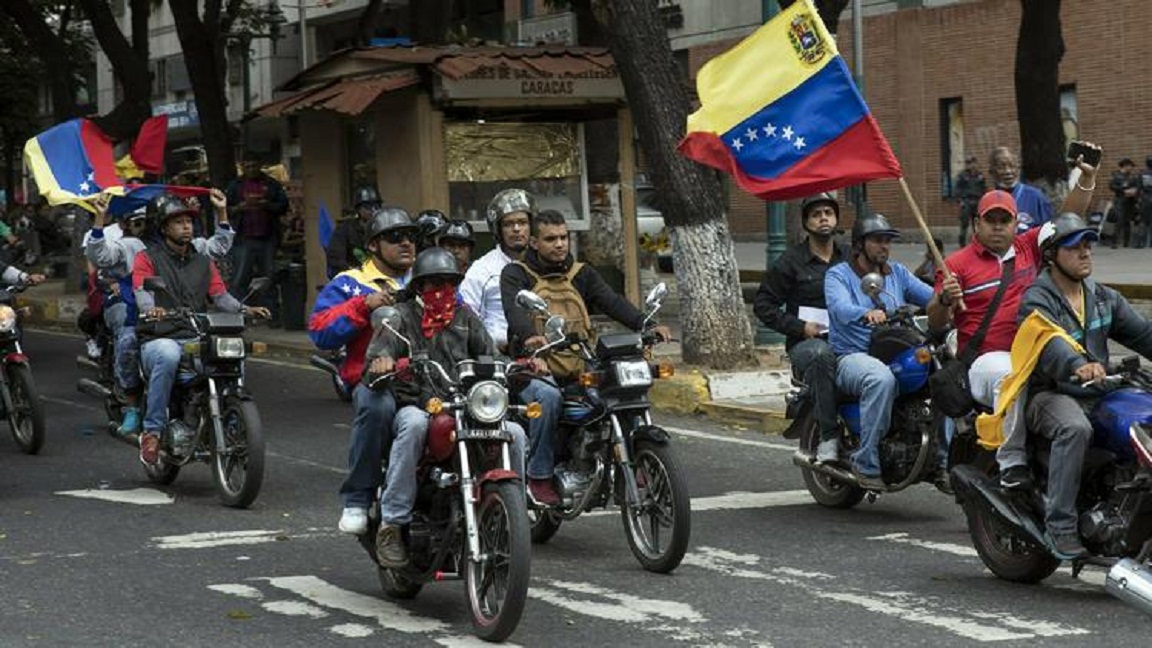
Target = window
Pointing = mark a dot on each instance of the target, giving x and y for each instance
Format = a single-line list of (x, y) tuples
[(951, 142), (178, 80), (159, 70)]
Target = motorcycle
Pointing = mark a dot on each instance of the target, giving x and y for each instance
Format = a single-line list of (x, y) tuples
[(18, 395), (911, 449), (214, 418), (1115, 500), (330, 365), (469, 520), (607, 448)]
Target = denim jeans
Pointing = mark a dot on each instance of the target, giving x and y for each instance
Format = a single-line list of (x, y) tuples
[(864, 377), (254, 258), (161, 360), (985, 376), (542, 430), (815, 365), (1061, 418), (126, 364), (371, 425), (411, 427)]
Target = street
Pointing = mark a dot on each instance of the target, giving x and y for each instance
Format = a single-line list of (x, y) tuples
[(91, 554)]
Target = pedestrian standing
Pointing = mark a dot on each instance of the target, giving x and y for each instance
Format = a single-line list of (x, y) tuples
[(969, 187), (1125, 187)]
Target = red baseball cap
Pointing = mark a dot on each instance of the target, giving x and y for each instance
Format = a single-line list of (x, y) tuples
[(996, 199)]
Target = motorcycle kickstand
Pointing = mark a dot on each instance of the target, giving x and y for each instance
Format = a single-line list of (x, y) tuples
[(871, 496), (1077, 567)]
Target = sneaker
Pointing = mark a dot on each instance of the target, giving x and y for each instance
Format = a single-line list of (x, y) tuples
[(543, 492), (868, 482), (1016, 478), (390, 549), (1066, 545), (150, 448), (354, 520), (93, 348), (828, 451), (131, 423)]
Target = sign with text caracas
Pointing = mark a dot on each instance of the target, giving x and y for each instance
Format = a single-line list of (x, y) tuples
[(500, 82)]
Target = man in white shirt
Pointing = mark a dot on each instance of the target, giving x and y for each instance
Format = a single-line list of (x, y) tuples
[(509, 218)]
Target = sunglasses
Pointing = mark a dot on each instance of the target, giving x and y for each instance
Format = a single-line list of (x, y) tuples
[(396, 237)]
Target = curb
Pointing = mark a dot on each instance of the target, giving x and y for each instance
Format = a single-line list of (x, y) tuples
[(752, 399)]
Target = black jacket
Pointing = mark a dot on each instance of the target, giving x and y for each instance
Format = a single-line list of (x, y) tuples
[(796, 279), (598, 297)]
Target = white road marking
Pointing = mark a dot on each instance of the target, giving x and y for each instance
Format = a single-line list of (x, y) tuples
[(216, 539), (294, 608), (284, 363), (730, 439), (617, 606), (978, 625), (904, 538), (235, 589), (352, 630), (139, 496), (735, 500)]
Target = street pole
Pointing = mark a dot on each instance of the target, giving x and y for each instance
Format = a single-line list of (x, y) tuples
[(859, 203), (774, 217), (303, 9)]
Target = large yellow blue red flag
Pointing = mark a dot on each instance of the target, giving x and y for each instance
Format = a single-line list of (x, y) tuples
[(780, 113)]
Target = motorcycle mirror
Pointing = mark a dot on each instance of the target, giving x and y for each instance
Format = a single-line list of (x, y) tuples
[(258, 285), (155, 284), (952, 343), (656, 295), (388, 317), (529, 300), (872, 284), (554, 328)]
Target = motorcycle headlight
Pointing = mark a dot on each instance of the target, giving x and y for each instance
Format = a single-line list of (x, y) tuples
[(487, 401), (633, 374), (7, 319), (229, 347)]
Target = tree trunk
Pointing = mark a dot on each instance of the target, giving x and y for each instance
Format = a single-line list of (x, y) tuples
[(1038, 52), (50, 48), (715, 324), (130, 65), (201, 43)]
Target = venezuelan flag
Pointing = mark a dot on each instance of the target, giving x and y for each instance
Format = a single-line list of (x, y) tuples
[(780, 113), (71, 162)]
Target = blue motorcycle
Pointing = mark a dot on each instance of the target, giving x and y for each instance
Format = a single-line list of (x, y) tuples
[(1115, 500)]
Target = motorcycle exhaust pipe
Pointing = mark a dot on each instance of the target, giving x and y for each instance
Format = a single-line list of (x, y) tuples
[(804, 460), (92, 388), (1131, 582), (86, 363), (323, 364)]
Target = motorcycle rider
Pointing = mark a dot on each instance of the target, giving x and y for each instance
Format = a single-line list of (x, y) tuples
[(457, 239), (346, 248), (342, 317), (575, 288), (509, 216), (112, 250), (432, 223), (1092, 314), (435, 324), (795, 283), (192, 279), (852, 313)]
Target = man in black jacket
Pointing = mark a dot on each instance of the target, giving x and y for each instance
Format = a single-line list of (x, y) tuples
[(791, 301), (547, 265)]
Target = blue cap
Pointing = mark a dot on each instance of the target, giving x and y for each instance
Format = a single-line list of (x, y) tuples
[(1072, 240)]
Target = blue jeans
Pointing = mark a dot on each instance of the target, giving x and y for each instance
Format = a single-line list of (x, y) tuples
[(126, 365), (411, 428), (253, 258), (866, 378), (815, 365), (371, 424), (542, 430), (161, 360)]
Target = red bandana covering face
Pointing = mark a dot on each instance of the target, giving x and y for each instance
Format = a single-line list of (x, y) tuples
[(439, 308)]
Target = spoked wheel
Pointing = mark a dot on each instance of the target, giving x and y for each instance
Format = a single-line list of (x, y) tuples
[(544, 524), (238, 467), (658, 529), (26, 419), (396, 586), (1004, 551), (824, 489), (496, 581)]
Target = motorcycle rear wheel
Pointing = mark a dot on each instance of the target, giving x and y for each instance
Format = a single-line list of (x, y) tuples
[(239, 472), (396, 586), (544, 524), (658, 530), (1004, 552), (26, 420), (496, 582), (825, 490)]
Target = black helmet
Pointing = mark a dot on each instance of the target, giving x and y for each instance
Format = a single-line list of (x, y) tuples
[(387, 219), (871, 225), (165, 206), (458, 230), (435, 262), (823, 197), (366, 195), (1066, 229), (506, 202), (431, 222)]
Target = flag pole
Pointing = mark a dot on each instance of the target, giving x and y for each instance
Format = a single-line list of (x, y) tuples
[(936, 256)]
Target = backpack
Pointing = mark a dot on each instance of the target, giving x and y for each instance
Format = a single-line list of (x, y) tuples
[(563, 300)]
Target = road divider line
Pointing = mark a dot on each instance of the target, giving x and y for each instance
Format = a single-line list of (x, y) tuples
[(904, 538), (736, 500), (730, 439), (210, 539), (137, 496)]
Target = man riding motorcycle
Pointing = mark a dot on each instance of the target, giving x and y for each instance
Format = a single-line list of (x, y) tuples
[(434, 324)]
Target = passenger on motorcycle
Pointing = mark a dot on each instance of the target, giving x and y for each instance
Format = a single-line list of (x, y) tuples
[(432, 223), (852, 313), (510, 214), (192, 280), (790, 301), (457, 239), (342, 317), (448, 333), (1092, 314), (572, 290), (112, 249), (347, 247)]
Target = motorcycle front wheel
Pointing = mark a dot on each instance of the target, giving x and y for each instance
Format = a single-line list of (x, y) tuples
[(238, 467), (26, 419), (824, 489), (658, 529), (496, 581)]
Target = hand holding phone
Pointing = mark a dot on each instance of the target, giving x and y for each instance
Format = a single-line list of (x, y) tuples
[(1091, 154)]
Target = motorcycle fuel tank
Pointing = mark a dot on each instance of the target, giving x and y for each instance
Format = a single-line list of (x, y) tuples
[(1114, 414), (910, 370)]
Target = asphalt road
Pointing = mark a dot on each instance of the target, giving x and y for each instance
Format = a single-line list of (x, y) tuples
[(766, 565)]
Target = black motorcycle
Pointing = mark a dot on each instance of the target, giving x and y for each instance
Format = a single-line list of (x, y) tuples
[(21, 403), (469, 521), (607, 448)]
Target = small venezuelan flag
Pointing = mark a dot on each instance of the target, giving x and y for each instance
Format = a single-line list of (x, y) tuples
[(780, 113)]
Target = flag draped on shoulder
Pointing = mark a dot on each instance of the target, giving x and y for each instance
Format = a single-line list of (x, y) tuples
[(780, 112)]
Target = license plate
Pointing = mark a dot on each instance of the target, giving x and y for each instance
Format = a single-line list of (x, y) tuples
[(483, 434)]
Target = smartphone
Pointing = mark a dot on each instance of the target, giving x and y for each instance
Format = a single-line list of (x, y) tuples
[(1077, 148)]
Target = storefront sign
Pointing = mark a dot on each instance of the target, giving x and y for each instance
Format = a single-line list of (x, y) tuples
[(181, 114), (503, 82)]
